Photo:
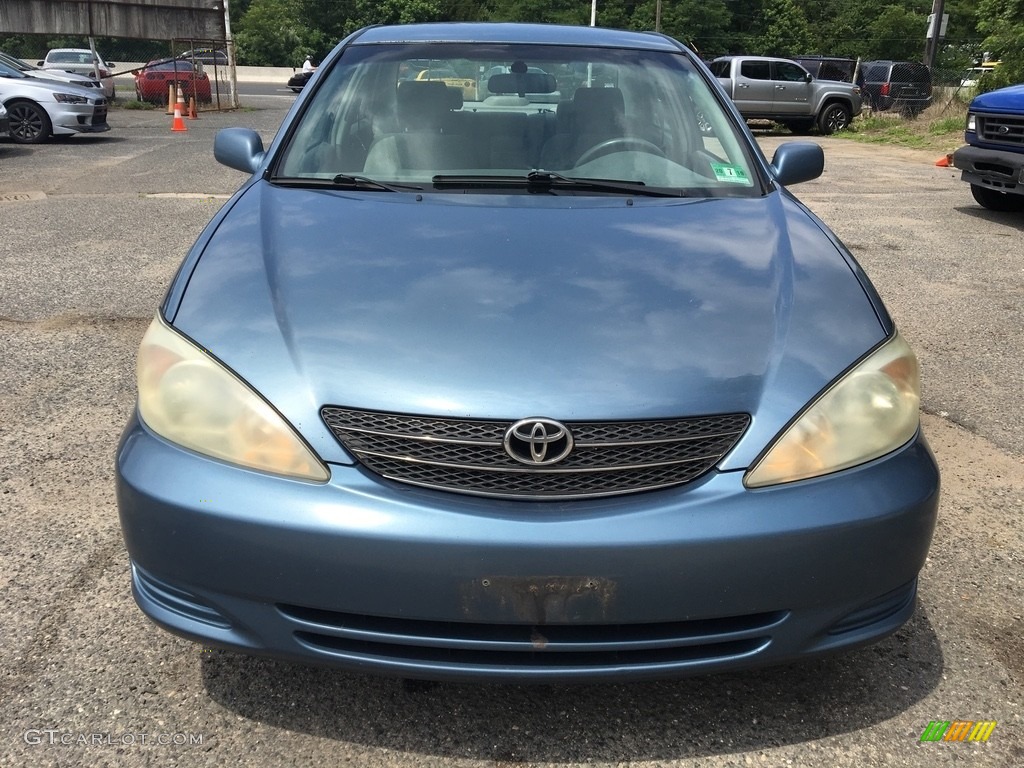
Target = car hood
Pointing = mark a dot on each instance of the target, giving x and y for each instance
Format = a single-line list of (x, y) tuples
[(32, 86), (1004, 100), (57, 76), (530, 305)]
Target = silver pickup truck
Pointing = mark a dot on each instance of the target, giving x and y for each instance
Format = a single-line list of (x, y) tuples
[(766, 88)]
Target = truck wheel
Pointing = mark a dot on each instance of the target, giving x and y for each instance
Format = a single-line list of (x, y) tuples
[(995, 200), (834, 117)]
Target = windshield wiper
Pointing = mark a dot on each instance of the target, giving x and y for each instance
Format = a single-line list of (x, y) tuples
[(540, 179), (365, 182), (343, 180)]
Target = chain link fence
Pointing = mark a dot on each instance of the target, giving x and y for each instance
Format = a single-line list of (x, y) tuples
[(200, 67)]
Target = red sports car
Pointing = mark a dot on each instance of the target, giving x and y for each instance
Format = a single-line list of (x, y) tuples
[(152, 80)]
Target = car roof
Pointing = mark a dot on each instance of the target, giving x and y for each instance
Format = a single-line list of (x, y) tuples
[(543, 34), (732, 56)]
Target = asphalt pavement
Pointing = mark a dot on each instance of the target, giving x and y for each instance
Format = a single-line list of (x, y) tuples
[(93, 229)]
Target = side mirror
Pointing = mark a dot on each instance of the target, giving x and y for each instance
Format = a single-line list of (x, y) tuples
[(808, 78), (239, 148), (797, 161)]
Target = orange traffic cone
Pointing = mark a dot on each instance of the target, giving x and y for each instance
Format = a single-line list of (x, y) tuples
[(192, 114), (944, 162), (179, 123)]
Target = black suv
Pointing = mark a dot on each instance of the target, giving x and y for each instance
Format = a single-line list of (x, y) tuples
[(904, 86)]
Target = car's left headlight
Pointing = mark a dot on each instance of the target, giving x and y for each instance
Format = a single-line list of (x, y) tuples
[(191, 399), (70, 98), (868, 412)]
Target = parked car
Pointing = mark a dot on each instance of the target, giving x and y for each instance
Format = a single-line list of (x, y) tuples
[(523, 393), (767, 88), (5, 124), (975, 74), (298, 81), (81, 62), (81, 81), (903, 86), (38, 109), (210, 56), (152, 81), (451, 78)]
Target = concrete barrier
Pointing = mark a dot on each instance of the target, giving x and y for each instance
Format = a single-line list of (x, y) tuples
[(125, 70)]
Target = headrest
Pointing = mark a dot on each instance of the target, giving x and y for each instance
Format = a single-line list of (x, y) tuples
[(598, 101), (425, 101)]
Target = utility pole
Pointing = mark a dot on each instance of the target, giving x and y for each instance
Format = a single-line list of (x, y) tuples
[(932, 43)]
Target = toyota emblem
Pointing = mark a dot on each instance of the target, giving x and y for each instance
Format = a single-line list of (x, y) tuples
[(538, 442)]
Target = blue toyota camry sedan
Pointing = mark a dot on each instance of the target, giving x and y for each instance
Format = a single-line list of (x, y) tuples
[(515, 359)]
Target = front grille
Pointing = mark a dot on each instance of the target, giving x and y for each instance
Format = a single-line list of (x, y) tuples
[(506, 647), (1007, 130), (468, 455)]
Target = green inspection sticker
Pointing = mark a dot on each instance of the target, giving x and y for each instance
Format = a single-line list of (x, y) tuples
[(730, 173)]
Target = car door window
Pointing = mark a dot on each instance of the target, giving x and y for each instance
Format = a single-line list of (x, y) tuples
[(789, 73), (756, 70)]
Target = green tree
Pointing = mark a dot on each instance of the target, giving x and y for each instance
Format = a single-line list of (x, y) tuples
[(702, 25), (1003, 23), (397, 11), (785, 31), (897, 33), (272, 34)]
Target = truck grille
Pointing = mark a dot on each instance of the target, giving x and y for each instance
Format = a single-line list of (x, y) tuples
[(468, 455), (1007, 130)]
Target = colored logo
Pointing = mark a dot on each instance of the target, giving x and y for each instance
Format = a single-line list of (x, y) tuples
[(958, 730)]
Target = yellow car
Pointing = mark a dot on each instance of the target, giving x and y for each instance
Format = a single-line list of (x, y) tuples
[(450, 77)]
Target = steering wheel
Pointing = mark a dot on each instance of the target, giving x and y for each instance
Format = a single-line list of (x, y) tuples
[(620, 144)]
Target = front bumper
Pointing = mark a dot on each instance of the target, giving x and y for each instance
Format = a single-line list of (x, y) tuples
[(993, 168), (372, 576), (79, 118)]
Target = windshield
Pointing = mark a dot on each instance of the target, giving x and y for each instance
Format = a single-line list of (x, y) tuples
[(176, 65), (423, 113), (11, 72)]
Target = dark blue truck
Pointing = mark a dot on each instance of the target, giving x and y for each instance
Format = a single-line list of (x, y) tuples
[(993, 160)]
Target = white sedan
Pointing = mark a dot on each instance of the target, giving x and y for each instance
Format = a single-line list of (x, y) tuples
[(81, 62)]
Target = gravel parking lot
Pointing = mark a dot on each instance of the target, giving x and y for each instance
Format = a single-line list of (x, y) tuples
[(94, 228)]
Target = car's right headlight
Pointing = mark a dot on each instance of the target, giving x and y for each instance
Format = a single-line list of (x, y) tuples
[(189, 398), (972, 123), (868, 412)]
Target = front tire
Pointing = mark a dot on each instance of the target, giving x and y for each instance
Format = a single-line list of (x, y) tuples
[(29, 123), (834, 118), (994, 200)]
